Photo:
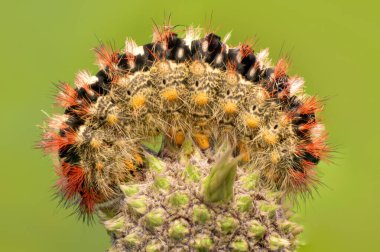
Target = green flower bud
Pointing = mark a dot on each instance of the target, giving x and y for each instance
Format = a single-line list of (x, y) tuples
[(155, 218), (154, 246), (244, 203), (276, 242), (250, 181), (178, 230), (268, 209), (115, 224), (227, 225), (132, 240), (129, 190), (137, 205), (201, 214), (178, 199), (239, 245), (256, 229), (287, 226), (161, 183), (203, 243)]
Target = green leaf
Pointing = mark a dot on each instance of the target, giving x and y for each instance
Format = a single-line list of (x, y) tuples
[(154, 163), (191, 172), (218, 185), (154, 143)]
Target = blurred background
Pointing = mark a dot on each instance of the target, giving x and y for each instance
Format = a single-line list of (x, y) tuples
[(333, 44)]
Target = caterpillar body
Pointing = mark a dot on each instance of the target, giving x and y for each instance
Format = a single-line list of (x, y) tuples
[(195, 88)]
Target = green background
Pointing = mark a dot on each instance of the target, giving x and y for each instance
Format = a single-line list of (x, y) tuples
[(333, 44)]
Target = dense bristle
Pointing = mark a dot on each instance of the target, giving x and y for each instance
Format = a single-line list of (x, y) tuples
[(196, 88)]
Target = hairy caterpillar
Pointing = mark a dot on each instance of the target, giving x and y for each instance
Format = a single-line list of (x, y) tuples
[(195, 88)]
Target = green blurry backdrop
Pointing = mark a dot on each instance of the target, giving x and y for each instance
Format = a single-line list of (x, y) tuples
[(333, 44)]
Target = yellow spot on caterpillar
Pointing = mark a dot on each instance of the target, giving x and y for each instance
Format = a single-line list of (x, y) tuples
[(138, 159), (244, 152), (179, 137), (112, 119), (252, 122), (274, 157), (129, 164), (170, 94), (197, 68), (201, 99), (284, 121), (163, 67), (202, 141), (269, 137), (95, 143), (232, 79), (138, 101), (99, 166), (261, 96), (123, 82), (230, 108)]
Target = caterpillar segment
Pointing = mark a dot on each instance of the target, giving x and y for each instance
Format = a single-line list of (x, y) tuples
[(169, 81)]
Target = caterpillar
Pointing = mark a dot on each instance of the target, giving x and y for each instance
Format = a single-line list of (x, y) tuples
[(195, 88)]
